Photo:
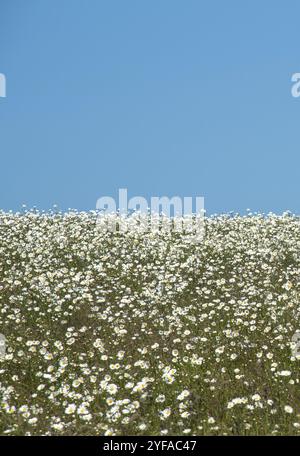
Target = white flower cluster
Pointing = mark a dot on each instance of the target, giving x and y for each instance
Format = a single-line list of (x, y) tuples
[(121, 333)]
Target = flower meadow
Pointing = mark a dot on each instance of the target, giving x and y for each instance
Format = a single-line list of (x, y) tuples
[(147, 333)]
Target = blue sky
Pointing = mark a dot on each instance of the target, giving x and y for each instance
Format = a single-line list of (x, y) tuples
[(161, 97)]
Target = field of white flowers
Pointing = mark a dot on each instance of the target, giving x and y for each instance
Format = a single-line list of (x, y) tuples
[(147, 333)]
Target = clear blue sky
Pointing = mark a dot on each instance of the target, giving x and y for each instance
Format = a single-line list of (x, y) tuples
[(163, 97)]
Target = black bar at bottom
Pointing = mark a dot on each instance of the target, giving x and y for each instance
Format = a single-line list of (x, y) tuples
[(145, 445)]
